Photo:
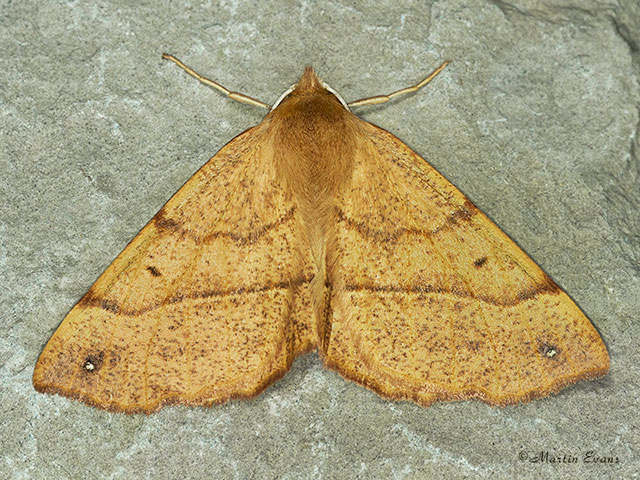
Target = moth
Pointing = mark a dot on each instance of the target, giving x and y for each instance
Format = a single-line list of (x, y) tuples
[(315, 230)]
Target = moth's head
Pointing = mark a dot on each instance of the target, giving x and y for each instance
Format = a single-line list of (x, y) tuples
[(309, 82), (309, 85)]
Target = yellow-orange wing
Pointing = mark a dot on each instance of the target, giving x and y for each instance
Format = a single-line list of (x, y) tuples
[(209, 301), (431, 301)]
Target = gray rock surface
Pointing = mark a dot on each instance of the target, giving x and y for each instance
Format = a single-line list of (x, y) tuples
[(536, 120)]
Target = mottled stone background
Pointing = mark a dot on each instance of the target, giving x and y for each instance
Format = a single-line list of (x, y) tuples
[(536, 120)]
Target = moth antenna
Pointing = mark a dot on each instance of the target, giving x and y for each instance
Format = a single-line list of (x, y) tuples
[(240, 97), (385, 98)]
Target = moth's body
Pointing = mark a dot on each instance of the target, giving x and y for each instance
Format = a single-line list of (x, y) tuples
[(315, 229), (314, 140)]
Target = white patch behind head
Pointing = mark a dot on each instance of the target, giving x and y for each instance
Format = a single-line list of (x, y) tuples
[(283, 96), (292, 88)]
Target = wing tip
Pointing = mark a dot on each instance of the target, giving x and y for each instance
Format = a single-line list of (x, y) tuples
[(427, 396), (206, 398)]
